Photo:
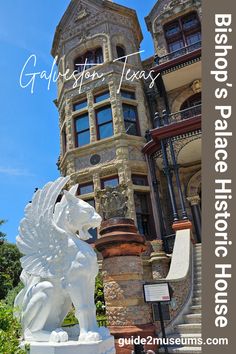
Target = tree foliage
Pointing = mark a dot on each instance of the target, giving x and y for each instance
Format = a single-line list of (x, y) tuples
[(2, 234), (99, 296), (10, 268)]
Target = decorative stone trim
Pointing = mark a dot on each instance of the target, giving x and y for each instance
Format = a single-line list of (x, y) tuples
[(185, 94), (195, 200)]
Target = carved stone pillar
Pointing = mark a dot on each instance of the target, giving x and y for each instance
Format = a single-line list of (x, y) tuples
[(196, 212), (97, 186), (142, 112), (121, 246), (69, 125), (125, 176), (92, 118), (117, 113), (159, 261)]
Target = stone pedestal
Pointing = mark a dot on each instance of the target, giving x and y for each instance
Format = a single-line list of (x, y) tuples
[(105, 346), (160, 265), (128, 315)]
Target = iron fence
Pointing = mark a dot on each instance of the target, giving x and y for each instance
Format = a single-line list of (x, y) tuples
[(177, 53)]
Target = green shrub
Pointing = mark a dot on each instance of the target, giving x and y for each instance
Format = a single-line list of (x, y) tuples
[(99, 296), (11, 295), (70, 318), (9, 331)]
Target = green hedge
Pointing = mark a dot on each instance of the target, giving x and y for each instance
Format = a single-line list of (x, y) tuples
[(9, 331)]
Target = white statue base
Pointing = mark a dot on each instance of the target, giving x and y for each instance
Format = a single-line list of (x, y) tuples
[(105, 346)]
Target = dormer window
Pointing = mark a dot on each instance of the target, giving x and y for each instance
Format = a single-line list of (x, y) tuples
[(183, 32), (92, 57)]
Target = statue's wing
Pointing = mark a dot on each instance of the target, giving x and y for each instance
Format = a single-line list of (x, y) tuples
[(43, 243)]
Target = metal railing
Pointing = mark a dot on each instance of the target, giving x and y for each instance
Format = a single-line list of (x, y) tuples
[(169, 242), (185, 114), (177, 53), (165, 119)]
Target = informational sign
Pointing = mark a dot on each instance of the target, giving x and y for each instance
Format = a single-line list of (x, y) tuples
[(157, 292), (165, 312)]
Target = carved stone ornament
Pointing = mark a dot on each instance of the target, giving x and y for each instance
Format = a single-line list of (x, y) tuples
[(81, 14), (113, 201), (194, 200), (59, 270), (196, 86)]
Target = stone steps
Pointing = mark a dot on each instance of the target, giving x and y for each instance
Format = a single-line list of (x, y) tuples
[(193, 318), (191, 326), (196, 309), (197, 300), (182, 350)]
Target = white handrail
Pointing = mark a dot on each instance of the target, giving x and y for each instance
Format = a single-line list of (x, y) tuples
[(181, 257)]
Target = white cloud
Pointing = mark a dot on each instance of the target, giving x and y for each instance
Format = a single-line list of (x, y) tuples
[(14, 172)]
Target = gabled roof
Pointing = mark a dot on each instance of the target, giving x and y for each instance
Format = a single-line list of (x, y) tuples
[(107, 4)]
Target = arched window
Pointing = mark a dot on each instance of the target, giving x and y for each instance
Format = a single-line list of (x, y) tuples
[(89, 58), (92, 56), (192, 101), (99, 56), (192, 106), (120, 52), (78, 64)]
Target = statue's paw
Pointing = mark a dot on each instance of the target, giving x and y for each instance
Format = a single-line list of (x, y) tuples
[(88, 337), (58, 336), (104, 332), (73, 331)]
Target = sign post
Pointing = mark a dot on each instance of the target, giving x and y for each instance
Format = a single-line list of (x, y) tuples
[(158, 293)]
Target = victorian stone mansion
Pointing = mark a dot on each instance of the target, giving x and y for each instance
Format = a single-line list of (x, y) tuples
[(144, 133)]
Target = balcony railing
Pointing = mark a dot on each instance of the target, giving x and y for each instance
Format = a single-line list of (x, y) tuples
[(169, 242), (176, 117), (178, 53)]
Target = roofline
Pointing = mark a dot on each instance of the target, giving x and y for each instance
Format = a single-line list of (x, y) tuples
[(148, 17), (108, 4)]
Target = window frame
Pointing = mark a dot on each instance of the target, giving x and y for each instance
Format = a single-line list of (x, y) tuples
[(83, 57), (123, 90), (183, 33), (100, 94), (98, 126), (64, 140), (105, 179), (76, 133), (151, 234), (144, 177), (137, 118), (87, 184), (85, 100), (119, 46)]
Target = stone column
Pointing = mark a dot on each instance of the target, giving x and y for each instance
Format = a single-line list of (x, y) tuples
[(92, 118), (97, 187), (128, 314), (69, 125), (125, 176), (196, 212), (159, 261), (117, 112)]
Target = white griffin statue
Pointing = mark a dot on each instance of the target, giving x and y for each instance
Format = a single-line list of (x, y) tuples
[(59, 268)]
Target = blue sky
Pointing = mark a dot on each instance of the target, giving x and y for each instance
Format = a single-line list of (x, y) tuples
[(29, 133)]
